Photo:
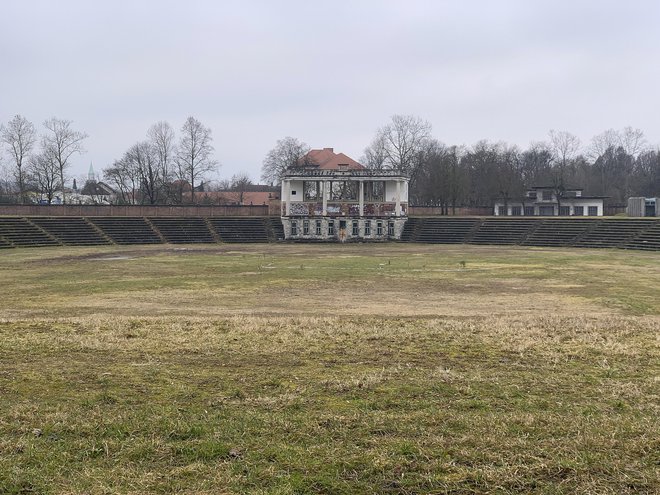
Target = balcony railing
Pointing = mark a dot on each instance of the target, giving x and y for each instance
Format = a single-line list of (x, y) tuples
[(344, 209), (301, 172)]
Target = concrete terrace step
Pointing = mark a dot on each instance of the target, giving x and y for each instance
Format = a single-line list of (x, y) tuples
[(126, 230), (183, 230), (560, 232), (504, 232), (70, 231), (446, 230), (649, 240), (19, 232), (240, 229), (614, 233)]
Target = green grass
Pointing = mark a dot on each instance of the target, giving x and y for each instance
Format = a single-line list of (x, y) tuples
[(329, 369)]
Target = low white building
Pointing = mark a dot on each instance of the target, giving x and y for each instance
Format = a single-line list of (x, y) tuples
[(544, 201), (336, 198)]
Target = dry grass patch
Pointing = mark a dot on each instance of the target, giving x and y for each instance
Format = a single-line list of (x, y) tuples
[(329, 369)]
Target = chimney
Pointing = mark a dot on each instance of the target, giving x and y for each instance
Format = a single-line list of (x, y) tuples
[(331, 150)]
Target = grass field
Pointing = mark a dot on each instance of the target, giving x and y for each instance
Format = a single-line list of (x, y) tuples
[(292, 369)]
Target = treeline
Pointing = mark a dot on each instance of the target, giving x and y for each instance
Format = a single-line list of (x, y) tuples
[(38, 161), (615, 164), (166, 169), (160, 169)]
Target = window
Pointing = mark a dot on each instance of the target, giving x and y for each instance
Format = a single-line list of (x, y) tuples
[(379, 229), (516, 211), (564, 211), (529, 211), (293, 193), (305, 227), (501, 210), (331, 227), (546, 195), (367, 227), (318, 227), (390, 229), (546, 211), (593, 211), (294, 228), (578, 211), (356, 229)]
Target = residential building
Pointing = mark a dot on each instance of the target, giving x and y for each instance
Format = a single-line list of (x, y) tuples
[(333, 197), (545, 201)]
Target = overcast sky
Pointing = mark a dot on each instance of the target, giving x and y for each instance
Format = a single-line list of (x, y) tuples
[(329, 72)]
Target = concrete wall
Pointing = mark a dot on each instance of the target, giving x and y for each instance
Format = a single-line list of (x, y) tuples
[(390, 191), (424, 211), (297, 186), (637, 207), (349, 237)]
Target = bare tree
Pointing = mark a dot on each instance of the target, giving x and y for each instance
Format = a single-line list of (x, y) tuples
[(632, 141), (143, 159), (44, 172), (536, 164), (19, 137), (6, 184), (125, 178), (240, 184), (564, 147), (375, 155), (161, 138), (288, 153), (400, 143), (60, 143), (194, 155), (602, 142)]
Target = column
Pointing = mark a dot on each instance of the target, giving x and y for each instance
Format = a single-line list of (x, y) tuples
[(287, 196), (397, 209), (325, 198), (361, 210)]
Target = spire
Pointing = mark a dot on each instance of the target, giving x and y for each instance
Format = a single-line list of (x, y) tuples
[(91, 175)]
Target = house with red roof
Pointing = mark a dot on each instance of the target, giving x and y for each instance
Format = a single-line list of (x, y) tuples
[(332, 197)]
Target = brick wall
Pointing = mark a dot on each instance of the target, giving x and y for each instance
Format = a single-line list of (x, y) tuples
[(133, 211)]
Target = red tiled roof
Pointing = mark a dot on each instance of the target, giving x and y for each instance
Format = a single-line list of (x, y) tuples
[(327, 159)]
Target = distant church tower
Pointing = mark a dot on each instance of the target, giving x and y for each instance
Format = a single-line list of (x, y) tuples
[(91, 176)]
